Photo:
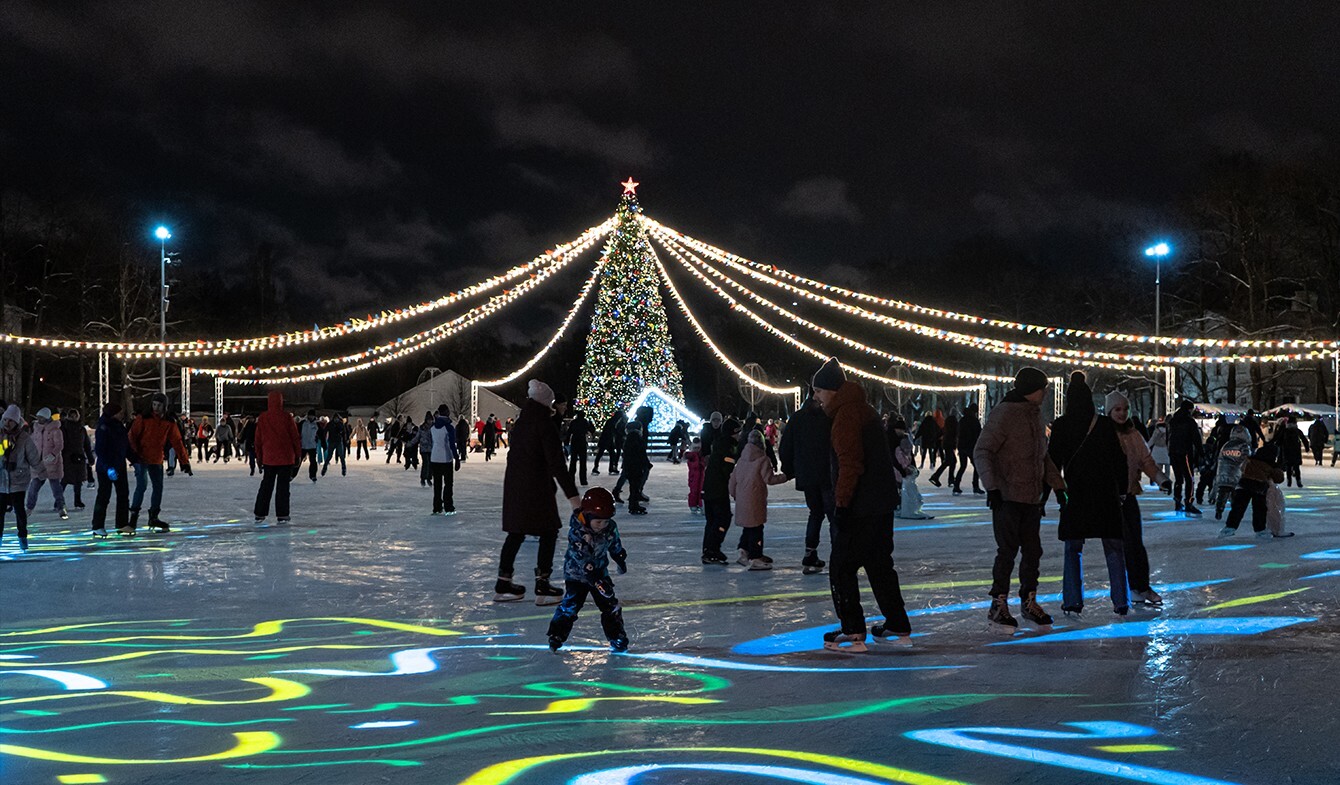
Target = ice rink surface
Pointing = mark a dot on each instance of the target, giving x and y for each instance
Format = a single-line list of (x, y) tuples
[(360, 644)]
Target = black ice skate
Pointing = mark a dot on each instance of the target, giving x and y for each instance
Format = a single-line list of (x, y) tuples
[(999, 619), (889, 635), (619, 645), (545, 592), (555, 643), (811, 564), (1034, 614), (715, 557), (159, 525), (851, 642), (506, 591)]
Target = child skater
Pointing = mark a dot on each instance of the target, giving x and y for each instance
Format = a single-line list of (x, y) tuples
[(749, 487), (593, 540), (697, 470)]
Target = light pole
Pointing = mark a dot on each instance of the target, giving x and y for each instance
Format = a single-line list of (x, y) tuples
[(163, 236), (1158, 251)]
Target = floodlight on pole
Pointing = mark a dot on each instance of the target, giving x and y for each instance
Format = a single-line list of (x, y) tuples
[(163, 236), (1158, 251)]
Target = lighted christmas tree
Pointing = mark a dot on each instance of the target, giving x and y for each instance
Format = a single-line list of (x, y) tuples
[(629, 346)]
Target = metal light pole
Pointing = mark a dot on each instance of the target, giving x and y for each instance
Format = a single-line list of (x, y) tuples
[(1158, 251), (163, 236)]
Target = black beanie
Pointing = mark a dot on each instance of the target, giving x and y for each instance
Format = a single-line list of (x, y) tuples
[(829, 375), (1029, 380)]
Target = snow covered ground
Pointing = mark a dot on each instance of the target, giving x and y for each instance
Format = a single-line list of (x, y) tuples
[(360, 644)]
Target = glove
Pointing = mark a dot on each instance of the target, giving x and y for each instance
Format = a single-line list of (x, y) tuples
[(1062, 499), (621, 559), (458, 465), (1167, 487), (112, 475), (186, 469), (993, 499)]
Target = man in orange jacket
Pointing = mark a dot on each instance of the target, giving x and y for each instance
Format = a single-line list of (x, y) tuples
[(150, 436)]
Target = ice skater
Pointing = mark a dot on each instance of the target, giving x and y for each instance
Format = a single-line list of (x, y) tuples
[(50, 442), (534, 465), (865, 495), (443, 459), (279, 452), (716, 492), (309, 432), (1011, 456), (803, 452), (905, 464), (19, 458), (636, 467), (749, 488), (111, 450), (1233, 455), (593, 542), (1138, 459), (697, 466), (150, 436), (1257, 474)]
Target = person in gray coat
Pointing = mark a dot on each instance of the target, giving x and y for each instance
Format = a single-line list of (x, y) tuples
[(19, 458)]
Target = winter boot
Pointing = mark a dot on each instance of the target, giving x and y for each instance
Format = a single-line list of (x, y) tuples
[(999, 617), (545, 592), (1034, 614), (853, 642), (506, 591), (811, 564)]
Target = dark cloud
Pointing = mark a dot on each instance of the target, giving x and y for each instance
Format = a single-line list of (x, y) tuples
[(820, 198), (564, 128)]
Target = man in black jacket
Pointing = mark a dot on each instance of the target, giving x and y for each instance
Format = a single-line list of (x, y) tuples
[(611, 441), (1184, 445), (804, 456), (636, 466), (579, 430), (716, 491), (969, 428)]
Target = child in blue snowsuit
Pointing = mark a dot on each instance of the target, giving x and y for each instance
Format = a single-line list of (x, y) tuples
[(593, 541)]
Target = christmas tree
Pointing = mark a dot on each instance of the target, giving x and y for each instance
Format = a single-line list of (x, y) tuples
[(629, 346)]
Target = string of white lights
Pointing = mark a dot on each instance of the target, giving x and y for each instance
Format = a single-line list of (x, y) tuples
[(435, 333), (740, 373), (1320, 349), (806, 348), (562, 329), (697, 263), (1044, 353), (226, 346)]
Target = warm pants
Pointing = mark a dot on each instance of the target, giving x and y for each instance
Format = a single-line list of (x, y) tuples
[(362, 449), (1072, 577), (964, 460), (104, 498), (1183, 482), (820, 503), (949, 462), (310, 457), (1205, 483), (578, 458), (1293, 475), (57, 492), (14, 501), (1017, 527), (223, 450), (201, 450), (1317, 450), (751, 541), (574, 597), (274, 479), (636, 480), (1222, 494), (425, 467), (867, 542), (442, 487), (614, 459), (77, 484), (1133, 542), (148, 475), (1241, 498), (716, 513), (336, 452), (544, 559), (462, 448)]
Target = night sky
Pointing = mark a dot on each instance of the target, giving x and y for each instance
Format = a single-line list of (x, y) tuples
[(390, 155)]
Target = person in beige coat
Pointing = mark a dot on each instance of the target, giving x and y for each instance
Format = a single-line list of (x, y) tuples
[(1138, 460), (50, 442), (749, 488)]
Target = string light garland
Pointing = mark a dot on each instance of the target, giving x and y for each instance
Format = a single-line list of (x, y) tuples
[(1316, 349), (226, 346), (418, 340), (675, 248), (562, 329), (804, 347)]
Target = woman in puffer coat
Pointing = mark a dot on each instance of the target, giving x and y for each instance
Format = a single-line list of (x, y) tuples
[(50, 443), (749, 487), (19, 458)]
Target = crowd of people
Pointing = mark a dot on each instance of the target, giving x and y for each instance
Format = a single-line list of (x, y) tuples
[(856, 469)]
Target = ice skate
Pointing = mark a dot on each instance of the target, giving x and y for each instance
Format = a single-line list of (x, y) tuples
[(1149, 597), (1227, 531), (159, 525), (506, 591), (64, 516), (851, 642), (1192, 510), (546, 593), (282, 519), (1282, 535), (811, 564), (1073, 615), (23, 544), (1120, 614), (260, 519), (1034, 614), (555, 643), (999, 619), (619, 645), (134, 519), (1264, 534), (126, 531), (743, 558), (886, 634), (100, 533), (757, 565), (715, 557)]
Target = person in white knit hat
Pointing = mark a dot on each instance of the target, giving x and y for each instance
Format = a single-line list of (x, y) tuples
[(534, 464)]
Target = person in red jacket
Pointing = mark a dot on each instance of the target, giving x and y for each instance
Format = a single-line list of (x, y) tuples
[(278, 450), (150, 436)]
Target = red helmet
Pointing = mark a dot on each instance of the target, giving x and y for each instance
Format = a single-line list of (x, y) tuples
[(598, 503)]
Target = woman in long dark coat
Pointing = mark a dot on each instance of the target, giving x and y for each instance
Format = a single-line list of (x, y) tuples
[(534, 463), (1086, 449)]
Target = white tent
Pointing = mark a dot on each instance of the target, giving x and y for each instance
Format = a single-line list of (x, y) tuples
[(452, 389)]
